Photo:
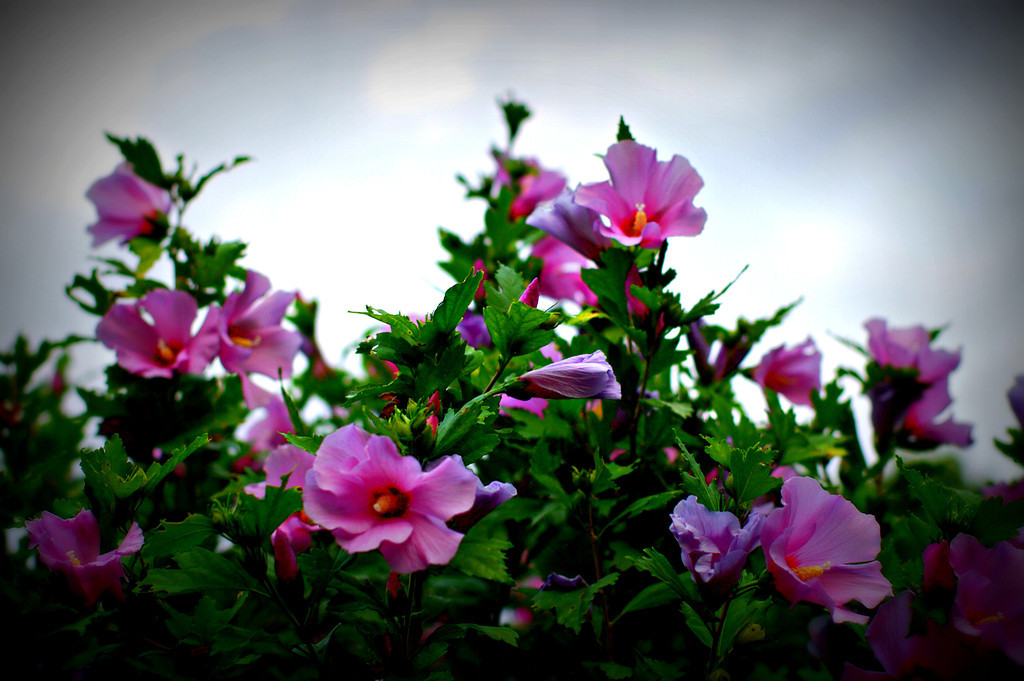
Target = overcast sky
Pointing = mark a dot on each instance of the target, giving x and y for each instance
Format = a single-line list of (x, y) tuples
[(866, 156)]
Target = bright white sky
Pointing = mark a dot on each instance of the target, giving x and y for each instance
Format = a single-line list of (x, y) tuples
[(867, 157)]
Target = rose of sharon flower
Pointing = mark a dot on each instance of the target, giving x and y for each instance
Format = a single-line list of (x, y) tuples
[(1016, 398), (252, 339), (560, 276), (714, 547), (535, 186), (646, 201), (821, 549), (792, 372), (126, 205), (165, 345), (72, 546), (371, 497), (583, 376), (989, 602)]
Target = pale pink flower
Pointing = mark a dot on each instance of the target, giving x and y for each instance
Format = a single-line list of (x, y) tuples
[(646, 201), (794, 373), (371, 497), (164, 343), (560, 276), (252, 339), (126, 205)]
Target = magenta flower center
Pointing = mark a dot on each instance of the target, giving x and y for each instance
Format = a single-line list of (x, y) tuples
[(390, 502), (166, 354), (805, 572), (635, 226)]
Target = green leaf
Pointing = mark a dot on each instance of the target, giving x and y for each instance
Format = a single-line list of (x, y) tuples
[(996, 521), (510, 288), (951, 509), (484, 558), (696, 624), (696, 484), (455, 303), (571, 607), (309, 444), (201, 571), (148, 250), (609, 283), (515, 113), (503, 634), (102, 299), (143, 158), (653, 596), (109, 475), (159, 471), (623, 135), (520, 331), (177, 537), (752, 473), (658, 565)]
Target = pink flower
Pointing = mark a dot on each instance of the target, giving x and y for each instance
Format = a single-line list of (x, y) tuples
[(794, 373), (583, 376), (531, 295), (72, 546), (646, 201), (821, 549), (164, 345), (534, 405), (283, 460), (714, 546), (560, 274), (989, 603), (266, 433), (535, 186), (909, 348), (126, 204), (372, 497), (574, 225), (252, 339), (919, 423)]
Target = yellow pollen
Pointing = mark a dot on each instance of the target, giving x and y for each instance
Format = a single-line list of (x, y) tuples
[(805, 572), (998, 617), (74, 559), (390, 502), (639, 220), (243, 341), (164, 353)]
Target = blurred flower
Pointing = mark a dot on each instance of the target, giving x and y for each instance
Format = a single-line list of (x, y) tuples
[(266, 433), (989, 603), (534, 183), (252, 339), (72, 546), (938, 573), (646, 201), (582, 376), (934, 651), (714, 547), (574, 225), (166, 345), (715, 361), (372, 497), (283, 460), (821, 549), (534, 405), (792, 372), (126, 204), (474, 331), (560, 274), (557, 582), (1016, 398), (919, 421)]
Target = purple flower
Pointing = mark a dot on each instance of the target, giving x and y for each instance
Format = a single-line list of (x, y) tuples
[(794, 373), (473, 330), (646, 201), (714, 547), (557, 582), (371, 497), (126, 205), (252, 339), (72, 546), (1016, 398), (534, 405), (583, 376), (919, 423), (715, 361), (560, 273), (821, 549), (488, 498), (574, 225), (909, 348), (989, 603), (932, 652), (165, 345)]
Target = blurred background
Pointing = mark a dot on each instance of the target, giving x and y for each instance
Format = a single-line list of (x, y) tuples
[(866, 156)]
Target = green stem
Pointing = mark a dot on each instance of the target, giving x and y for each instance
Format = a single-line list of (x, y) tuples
[(716, 639)]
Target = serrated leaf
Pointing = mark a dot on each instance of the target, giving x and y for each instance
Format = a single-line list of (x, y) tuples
[(623, 134), (571, 607), (696, 624), (109, 475), (143, 158), (751, 471), (520, 330), (510, 288), (657, 564), (608, 283), (201, 570), (653, 596), (159, 471), (503, 634), (310, 443), (176, 537), (484, 558), (455, 303), (696, 484)]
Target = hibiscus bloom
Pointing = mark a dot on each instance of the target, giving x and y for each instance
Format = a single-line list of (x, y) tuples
[(574, 225), (371, 497), (252, 339), (646, 201), (165, 345), (794, 373), (72, 546), (821, 549), (714, 546), (560, 276), (536, 185), (126, 204)]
